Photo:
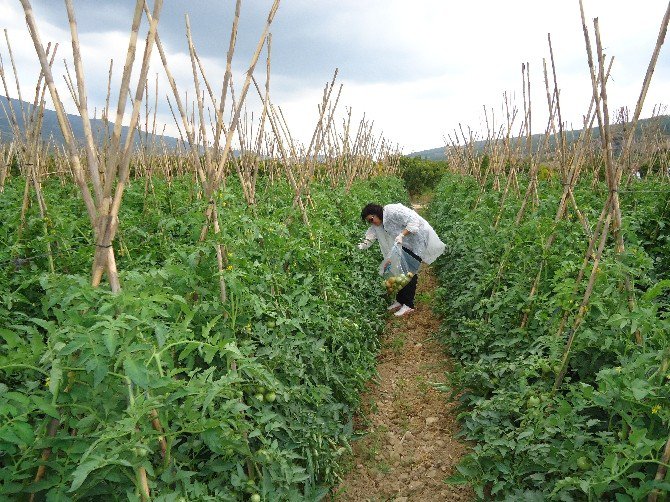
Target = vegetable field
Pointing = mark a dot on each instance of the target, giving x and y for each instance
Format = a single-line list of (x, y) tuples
[(194, 321), (600, 432), (214, 402), (556, 297)]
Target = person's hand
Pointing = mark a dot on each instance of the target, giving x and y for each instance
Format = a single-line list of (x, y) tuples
[(398, 239)]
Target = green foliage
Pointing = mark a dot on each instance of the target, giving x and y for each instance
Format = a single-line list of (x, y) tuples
[(421, 175), (254, 396), (601, 434)]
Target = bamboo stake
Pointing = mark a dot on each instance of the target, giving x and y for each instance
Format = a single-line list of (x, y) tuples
[(16, 78), (227, 76), (558, 109), (52, 428), (567, 195), (216, 175), (196, 82), (62, 120), (581, 314), (104, 250), (264, 114), (82, 105), (647, 81), (12, 114), (661, 471), (4, 166), (183, 112), (512, 173)]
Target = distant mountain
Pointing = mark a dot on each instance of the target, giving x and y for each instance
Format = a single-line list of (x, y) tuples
[(439, 153), (432, 154), (51, 129)]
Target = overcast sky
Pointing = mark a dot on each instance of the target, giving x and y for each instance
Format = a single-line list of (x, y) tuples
[(417, 69)]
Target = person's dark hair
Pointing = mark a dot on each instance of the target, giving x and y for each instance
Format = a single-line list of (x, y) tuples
[(374, 209)]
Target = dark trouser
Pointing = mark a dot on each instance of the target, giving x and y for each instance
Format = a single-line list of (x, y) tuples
[(406, 295)]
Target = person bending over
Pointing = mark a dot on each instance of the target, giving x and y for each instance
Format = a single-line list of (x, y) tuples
[(398, 224)]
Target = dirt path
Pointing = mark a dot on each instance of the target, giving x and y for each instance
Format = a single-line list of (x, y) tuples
[(410, 445)]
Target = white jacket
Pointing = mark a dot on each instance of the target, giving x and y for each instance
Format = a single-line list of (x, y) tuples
[(422, 240), (377, 233)]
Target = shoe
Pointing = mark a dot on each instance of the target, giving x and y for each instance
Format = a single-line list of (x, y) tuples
[(403, 311), (394, 306)]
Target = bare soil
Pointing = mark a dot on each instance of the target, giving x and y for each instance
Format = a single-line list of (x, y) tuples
[(409, 445)]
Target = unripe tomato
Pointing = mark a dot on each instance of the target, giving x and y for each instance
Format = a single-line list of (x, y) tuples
[(255, 498), (583, 463), (533, 401)]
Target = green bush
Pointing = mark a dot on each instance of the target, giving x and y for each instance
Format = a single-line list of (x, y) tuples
[(421, 175)]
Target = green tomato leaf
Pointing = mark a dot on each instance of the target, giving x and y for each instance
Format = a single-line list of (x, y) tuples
[(137, 373), (55, 376), (82, 471), (110, 342)]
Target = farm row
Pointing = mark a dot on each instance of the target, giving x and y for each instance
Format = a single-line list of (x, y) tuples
[(600, 433), (161, 382)]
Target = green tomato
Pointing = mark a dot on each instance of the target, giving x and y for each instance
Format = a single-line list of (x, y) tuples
[(270, 397), (533, 401), (259, 397), (271, 324), (583, 463), (255, 497)]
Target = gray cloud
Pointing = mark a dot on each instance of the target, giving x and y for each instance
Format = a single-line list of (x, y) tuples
[(417, 69), (305, 42)]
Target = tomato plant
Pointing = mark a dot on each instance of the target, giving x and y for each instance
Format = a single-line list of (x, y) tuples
[(600, 435), (251, 399)]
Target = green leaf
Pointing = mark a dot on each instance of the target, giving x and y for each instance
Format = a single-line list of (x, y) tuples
[(639, 388), (110, 342), (12, 339), (55, 376), (656, 290), (99, 372), (18, 433), (46, 325), (137, 373), (82, 471), (45, 407), (208, 327), (231, 347)]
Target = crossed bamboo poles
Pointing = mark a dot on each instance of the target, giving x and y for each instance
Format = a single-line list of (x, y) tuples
[(610, 221), (108, 165)]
